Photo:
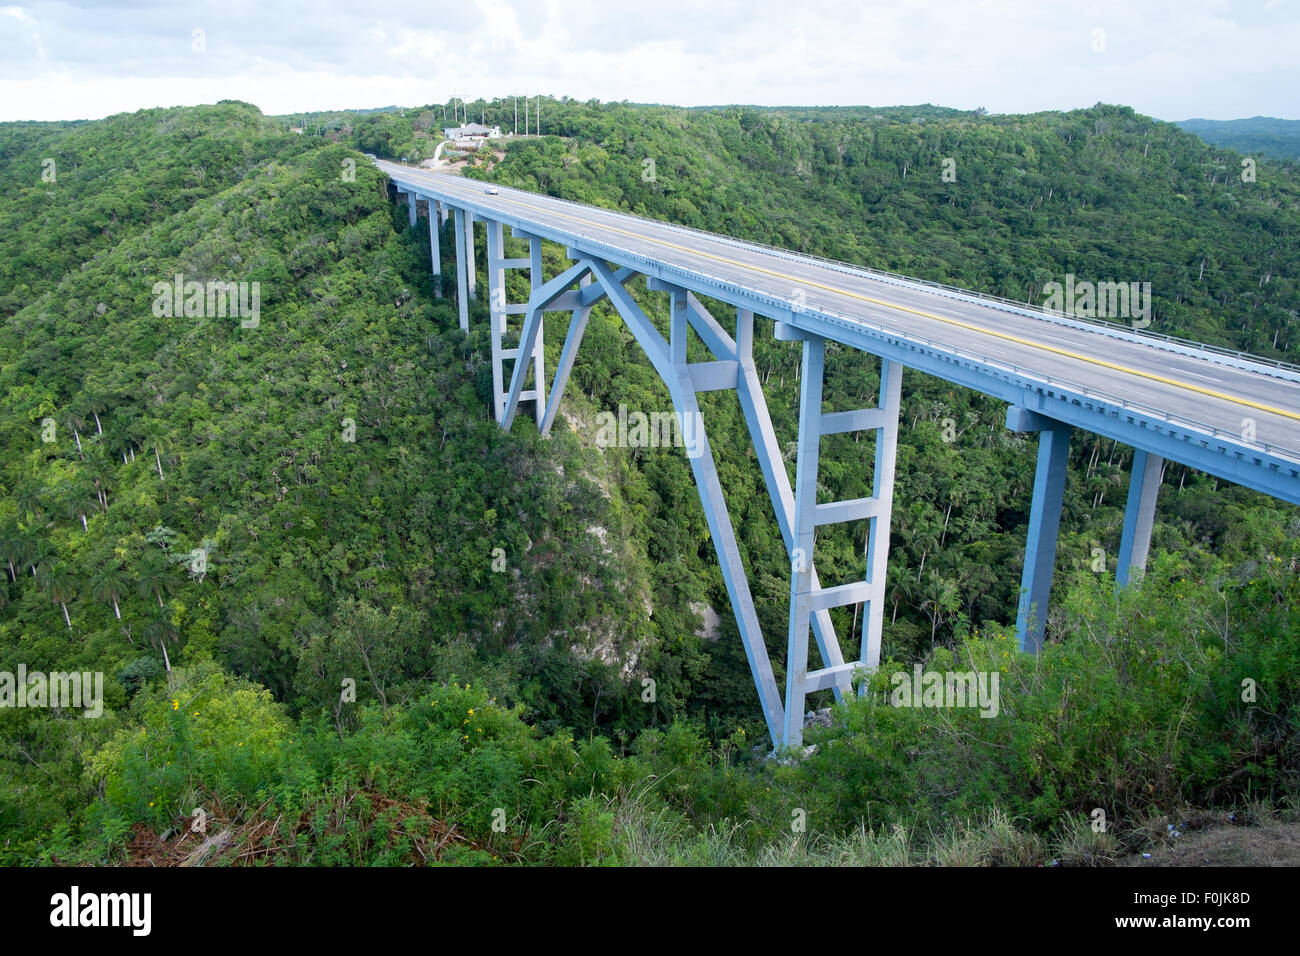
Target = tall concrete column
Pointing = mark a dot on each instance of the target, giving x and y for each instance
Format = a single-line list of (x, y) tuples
[(468, 217), (537, 278), (1044, 521), (435, 252), (1139, 515), (463, 264), (805, 529), (891, 385), (496, 276)]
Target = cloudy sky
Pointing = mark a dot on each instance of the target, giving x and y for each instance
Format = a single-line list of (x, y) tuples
[(1172, 59)]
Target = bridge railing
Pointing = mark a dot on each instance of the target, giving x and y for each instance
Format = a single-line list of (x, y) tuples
[(1022, 308), (783, 303), (997, 301), (1061, 383), (1150, 411), (1086, 391)]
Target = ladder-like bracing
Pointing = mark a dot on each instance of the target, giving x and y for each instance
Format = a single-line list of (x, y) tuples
[(594, 276)]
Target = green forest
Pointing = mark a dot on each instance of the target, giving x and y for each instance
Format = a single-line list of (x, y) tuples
[(344, 618), (1258, 135)]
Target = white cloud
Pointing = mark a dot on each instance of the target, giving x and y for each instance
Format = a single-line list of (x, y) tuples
[(1169, 58)]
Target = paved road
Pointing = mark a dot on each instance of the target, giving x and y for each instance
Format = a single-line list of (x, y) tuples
[(1199, 389)]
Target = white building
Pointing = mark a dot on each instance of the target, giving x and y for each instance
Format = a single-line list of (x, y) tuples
[(472, 131)]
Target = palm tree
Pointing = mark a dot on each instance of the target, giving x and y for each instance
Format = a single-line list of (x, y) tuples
[(81, 497), (157, 455), (97, 467), (958, 492), (29, 502), (13, 548), (157, 632), (922, 535), (940, 600), (74, 421), (95, 404), (39, 552), (65, 504), (109, 584), (156, 578), (124, 430), (56, 582), (898, 584)]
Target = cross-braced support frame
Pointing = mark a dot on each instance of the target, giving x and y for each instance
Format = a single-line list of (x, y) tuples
[(807, 596), (590, 280)]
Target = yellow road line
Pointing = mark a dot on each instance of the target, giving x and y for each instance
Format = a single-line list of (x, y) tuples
[(927, 315)]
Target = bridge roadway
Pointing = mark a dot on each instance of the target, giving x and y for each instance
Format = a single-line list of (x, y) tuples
[(1213, 390)]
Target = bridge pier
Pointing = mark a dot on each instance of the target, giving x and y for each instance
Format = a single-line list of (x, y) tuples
[(435, 251), (1044, 521), (891, 403), (806, 594), (1139, 515), (410, 207), (771, 464), (496, 314), (462, 261), (684, 381), (536, 341), (470, 279), (530, 343)]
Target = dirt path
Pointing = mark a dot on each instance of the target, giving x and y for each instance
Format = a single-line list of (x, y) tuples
[(1268, 844)]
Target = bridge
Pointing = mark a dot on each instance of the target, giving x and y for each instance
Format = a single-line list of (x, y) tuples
[(1222, 412)]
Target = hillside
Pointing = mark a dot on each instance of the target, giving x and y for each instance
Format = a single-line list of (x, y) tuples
[(273, 510), (1257, 136)]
